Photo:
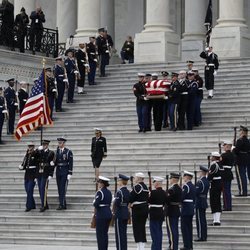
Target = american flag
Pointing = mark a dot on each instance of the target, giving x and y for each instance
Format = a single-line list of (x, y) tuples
[(36, 111)]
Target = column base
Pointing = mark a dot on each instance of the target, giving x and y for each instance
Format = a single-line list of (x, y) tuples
[(191, 49), (159, 46), (231, 41)]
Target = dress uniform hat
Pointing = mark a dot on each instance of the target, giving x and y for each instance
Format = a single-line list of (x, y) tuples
[(141, 74), (195, 70), (11, 80), (203, 168), (59, 58), (103, 179), (148, 74), (158, 179), (22, 82), (188, 173), (243, 128), (140, 175), (174, 74), (164, 73), (190, 62), (123, 177), (31, 144), (215, 154), (154, 74), (101, 30), (61, 139), (98, 129), (68, 51), (45, 142), (227, 143), (48, 69), (190, 72), (174, 175)]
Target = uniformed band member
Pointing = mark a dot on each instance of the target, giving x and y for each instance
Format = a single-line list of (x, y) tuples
[(61, 81), (45, 172), (98, 150), (202, 187), (211, 68), (121, 213), (172, 211), (93, 60), (241, 151), (3, 112), (11, 99), (64, 171), (102, 202), (139, 204), (187, 210), (30, 165), (214, 176), (22, 96), (227, 163), (157, 201), (173, 101)]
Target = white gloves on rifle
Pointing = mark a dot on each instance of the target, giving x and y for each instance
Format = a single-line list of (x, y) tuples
[(20, 167), (69, 177), (50, 177), (207, 49), (52, 164)]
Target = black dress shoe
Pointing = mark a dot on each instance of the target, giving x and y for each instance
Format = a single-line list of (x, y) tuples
[(42, 209), (197, 240), (27, 210), (217, 224), (60, 208), (140, 130)]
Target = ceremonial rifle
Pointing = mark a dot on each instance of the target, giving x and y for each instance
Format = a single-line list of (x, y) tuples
[(112, 222)]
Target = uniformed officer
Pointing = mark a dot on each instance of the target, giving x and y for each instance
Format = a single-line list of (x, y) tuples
[(227, 163), (187, 210), (30, 165), (172, 211), (93, 59), (11, 99), (61, 80), (241, 150), (183, 105), (174, 100), (149, 104), (214, 176), (3, 112), (190, 65), (51, 91), (141, 104), (102, 202), (202, 187), (157, 201), (192, 95), (98, 150), (211, 68), (139, 203), (45, 172), (64, 171), (22, 96), (165, 75), (121, 213), (72, 73)]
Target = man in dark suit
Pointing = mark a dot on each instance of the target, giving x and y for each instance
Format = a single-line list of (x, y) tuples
[(98, 150), (22, 96)]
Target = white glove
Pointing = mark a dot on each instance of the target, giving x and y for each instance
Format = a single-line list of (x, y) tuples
[(233, 147), (76, 72), (52, 164), (40, 148), (54, 90), (69, 176), (145, 98), (20, 167), (16, 104), (35, 180), (215, 73), (65, 80), (50, 177), (207, 49)]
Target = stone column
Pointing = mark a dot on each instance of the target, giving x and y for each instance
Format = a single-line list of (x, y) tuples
[(29, 6), (231, 37), (194, 36), (157, 42), (66, 18), (88, 20)]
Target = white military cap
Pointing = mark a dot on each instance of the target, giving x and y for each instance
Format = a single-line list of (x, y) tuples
[(188, 173), (215, 154), (195, 69), (140, 175), (98, 129), (141, 74), (103, 178), (154, 74), (182, 72), (227, 142), (158, 178), (22, 82)]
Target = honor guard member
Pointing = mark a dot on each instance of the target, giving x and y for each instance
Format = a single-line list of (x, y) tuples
[(64, 171), (102, 202), (30, 165), (241, 150), (211, 68), (61, 80), (93, 59), (187, 210), (11, 99), (190, 65), (3, 112), (141, 104), (149, 104), (227, 163), (45, 172), (121, 213), (192, 95), (98, 150), (172, 211), (72, 73), (174, 100), (139, 204), (202, 187), (214, 176), (157, 201), (22, 96), (127, 51), (197, 113), (110, 42), (165, 75), (182, 109), (51, 91), (82, 65), (103, 51)]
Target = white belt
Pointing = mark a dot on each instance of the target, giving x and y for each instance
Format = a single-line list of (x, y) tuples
[(1, 107), (210, 64), (184, 93), (187, 200), (104, 205), (200, 88), (138, 202), (61, 75), (229, 167), (92, 53), (155, 205), (217, 178), (31, 167)]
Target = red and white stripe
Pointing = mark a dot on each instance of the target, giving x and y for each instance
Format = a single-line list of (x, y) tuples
[(157, 87)]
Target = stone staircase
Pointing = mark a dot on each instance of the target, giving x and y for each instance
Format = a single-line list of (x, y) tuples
[(111, 106)]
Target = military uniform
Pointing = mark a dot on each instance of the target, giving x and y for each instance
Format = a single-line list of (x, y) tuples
[(102, 202), (98, 150), (182, 109), (92, 56), (202, 187), (23, 97), (2, 114), (199, 97), (127, 52), (81, 60)]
